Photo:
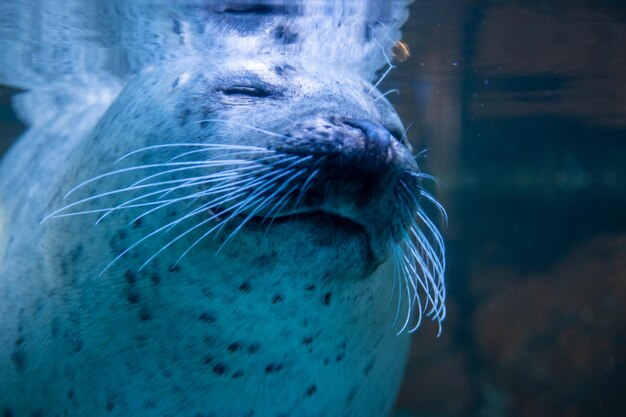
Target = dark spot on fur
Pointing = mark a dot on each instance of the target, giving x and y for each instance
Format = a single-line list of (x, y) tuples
[(237, 374), (176, 28), (141, 339), (204, 124), (370, 366), (209, 340), (130, 277), (207, 317), (110, 403), (155, 279), (282, 69), (137, 223), (310, 287), (65, 270), (132, 296), (150, 404), (234, 347), (311, 390), (277, 298), (253, 348), (175, 268), (8, 412), (351, 395), (19, 341), (18, 357), (55, 327), (206, 292), (70, 394), (273, 368), (265, 260), (285, 35), (326, 299), (244, 287), (340, 357), (144, 314), (367, 33), (184, 116), (219, 369), (307, 340), (77, 345), (115, 245), (76, 253)]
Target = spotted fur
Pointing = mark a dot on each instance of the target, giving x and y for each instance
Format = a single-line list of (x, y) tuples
[(255, 283)]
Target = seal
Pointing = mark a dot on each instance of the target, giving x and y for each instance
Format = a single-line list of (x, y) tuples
[(222, 240)]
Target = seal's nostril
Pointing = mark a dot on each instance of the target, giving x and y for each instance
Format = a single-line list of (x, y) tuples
[(376, 135)]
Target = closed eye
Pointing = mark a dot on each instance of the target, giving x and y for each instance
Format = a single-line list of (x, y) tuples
[(247, 91)]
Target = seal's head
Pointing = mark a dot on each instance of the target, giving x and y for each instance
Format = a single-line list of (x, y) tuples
[(253, 144), (278, 206), (255, 206)]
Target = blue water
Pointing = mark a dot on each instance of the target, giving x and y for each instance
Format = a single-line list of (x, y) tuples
[(522, 109)]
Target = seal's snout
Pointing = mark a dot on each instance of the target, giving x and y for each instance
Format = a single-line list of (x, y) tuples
[(354, 146), (356, 170)]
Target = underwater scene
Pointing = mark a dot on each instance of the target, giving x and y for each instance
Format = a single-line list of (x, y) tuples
[(325, 208)]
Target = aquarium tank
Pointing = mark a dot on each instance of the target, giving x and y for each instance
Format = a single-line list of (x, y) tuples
[(333, 208)]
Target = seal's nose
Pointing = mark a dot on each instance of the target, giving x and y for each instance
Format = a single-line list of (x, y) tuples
[(375, 150), (358, 160), (347, 143), (348, 147)]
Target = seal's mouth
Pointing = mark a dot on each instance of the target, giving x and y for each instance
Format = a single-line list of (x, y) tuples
[(327, 222)]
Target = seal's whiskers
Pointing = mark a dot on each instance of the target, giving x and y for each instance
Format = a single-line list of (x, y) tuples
[(236, 184), (420, 265)]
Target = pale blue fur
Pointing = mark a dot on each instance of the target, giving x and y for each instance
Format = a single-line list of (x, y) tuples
[(206, 317)]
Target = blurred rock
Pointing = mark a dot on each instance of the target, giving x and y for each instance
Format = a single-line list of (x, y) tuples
[(555, 344)]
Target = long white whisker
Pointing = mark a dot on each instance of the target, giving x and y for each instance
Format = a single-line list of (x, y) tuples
[(284, 200), (436, 203), (202, 145), (394, 90), (396, 282), (230, 154), (305, 187), (129, 169), (239, 163), (390, 66), (257, 129), (196, 195), (164, 192)]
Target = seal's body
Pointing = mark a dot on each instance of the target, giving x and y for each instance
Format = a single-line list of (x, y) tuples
[(250, 220)]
